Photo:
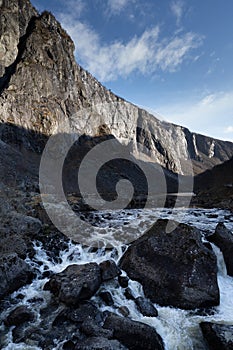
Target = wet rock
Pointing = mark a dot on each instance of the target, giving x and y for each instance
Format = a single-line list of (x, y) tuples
[(109, 270), (218, 336), (86, 311), (22, 333), (146, 307), (223, 238), (53, 243), (174, 268), (134, 335), (19, 315), (124, 311), (107, 298), (123, 281), (129, 294), (99, 343), (91, 329), (75, 283), (14, 273), (68, 345)]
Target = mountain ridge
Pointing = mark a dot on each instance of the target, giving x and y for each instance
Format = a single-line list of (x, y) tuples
[(48, 92)]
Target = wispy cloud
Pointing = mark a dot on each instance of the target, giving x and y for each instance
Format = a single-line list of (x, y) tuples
[(210, 115), (74, 8), (115, 7), (229, 130), (145, 54), (177, 8), (173, 53)]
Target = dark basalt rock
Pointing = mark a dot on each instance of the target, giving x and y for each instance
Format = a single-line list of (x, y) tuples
[(92, 329), (75, 283), (84, 311), (99, 343), (123, 281), (218, 336), (106, 297), (124, 311), (14, 273), (175, 268), (109, 270), (134, 335), (19, 315), (223, 238), (68, 345), (146, 307), (129, 294)]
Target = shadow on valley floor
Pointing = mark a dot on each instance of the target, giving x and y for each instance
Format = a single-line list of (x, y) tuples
[(21, 151)]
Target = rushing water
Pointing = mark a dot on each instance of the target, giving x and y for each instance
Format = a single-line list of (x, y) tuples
[(179, 328)]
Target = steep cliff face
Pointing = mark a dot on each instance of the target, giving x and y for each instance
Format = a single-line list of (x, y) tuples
[(45, 91)]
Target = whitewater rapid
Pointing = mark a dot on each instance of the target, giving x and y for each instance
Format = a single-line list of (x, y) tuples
[(178, 328)]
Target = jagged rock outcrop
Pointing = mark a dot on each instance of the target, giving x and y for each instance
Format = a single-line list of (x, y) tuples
[(44, 90)]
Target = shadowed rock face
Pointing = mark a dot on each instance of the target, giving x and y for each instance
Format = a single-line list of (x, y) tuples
[(214, 188), (42, 87), (175, 269), (218, 336), (223, 238)]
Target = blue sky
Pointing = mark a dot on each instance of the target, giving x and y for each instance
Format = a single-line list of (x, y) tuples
[(172, 57)]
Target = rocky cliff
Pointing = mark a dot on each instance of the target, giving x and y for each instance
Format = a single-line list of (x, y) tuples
[(214, 188), (45, 91)]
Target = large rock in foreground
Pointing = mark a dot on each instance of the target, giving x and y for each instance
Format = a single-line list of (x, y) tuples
[(175, 269), (134, 335), (217, 336), (223, 238), (75, 283)]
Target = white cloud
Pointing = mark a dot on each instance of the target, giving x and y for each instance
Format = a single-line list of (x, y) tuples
[(172, 54), (74, 8), (229, 129), (207, 100), (146, 53), (177, 8), (116, 6), (210, 115)]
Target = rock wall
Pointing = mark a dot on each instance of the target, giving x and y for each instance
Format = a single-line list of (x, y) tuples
[(44, 90)]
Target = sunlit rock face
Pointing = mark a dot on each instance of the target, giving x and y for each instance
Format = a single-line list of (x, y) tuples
[(43, 89)]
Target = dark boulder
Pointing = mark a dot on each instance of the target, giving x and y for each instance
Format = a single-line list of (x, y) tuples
[(68, 345), (85, 312), (99, 343), (75, 283), (223, 238), (14, 273), (106, 297), (175, 268), (218, 336), (123, 281), (19, 315), (129, 294), (134, 335), (146, 307), (124, 311), (92, 329), (109, 270)]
